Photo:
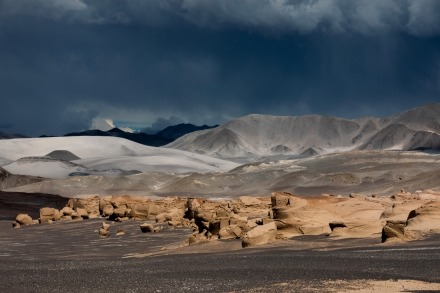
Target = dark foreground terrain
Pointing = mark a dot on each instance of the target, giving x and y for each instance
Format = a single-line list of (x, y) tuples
[(14, 203), (70, 257)]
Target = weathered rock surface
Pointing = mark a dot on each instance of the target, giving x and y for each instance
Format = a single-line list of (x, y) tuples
[(147, 227), (400, 217), (403, 216), (104, 231), (50, 214), (24, 219), (424, 221), (262, 234)]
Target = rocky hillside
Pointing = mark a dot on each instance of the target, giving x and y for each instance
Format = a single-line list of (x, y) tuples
[(255, 136)]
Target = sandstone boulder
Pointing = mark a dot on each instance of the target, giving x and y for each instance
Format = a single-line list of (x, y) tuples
[(198, 237), (393, 231), (105, 226), (140, 211), (67, 211), (230, 232), (120, 211), (400, 211), (359, 228), (91, 204), (24, 219), (82, 212), (49, 214), (424, 221), (427, 196), (260, 235), (104, 231), (147, 227), (163, 217), (107, 210), (315, 228)]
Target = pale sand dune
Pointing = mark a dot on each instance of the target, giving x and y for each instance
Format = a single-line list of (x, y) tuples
[(4, 161), (101, 154)]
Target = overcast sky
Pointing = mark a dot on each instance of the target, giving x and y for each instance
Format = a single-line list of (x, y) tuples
[(64, 63)]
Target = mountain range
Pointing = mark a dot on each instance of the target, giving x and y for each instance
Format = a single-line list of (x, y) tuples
[(256, 154), (161, 138), (9, 136), (253, 137)]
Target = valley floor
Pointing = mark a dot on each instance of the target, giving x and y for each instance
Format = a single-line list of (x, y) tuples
[(70, 256)]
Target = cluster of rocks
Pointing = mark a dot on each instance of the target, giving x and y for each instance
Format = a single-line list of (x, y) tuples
[(256, 221), (247, 218), (403, 216), (49, 215), (412, 216)]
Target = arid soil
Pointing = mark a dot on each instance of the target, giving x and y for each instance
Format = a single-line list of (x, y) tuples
[(70, 256)]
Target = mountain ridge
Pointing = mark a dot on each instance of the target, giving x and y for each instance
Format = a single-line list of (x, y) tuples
[(256, 135)]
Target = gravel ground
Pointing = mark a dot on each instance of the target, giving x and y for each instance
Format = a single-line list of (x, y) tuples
[(65, 257)]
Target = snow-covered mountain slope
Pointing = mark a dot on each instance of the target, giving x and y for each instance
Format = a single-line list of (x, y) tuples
[(255, 136), (98, 155)]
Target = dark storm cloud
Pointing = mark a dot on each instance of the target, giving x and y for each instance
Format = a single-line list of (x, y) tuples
[(418, 17), (63, 63)]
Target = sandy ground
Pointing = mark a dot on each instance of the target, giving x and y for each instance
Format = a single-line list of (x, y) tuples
[(70, 256)]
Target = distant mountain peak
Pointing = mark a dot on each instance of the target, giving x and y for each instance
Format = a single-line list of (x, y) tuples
[(116, 130), (175, 131), (258, 135)]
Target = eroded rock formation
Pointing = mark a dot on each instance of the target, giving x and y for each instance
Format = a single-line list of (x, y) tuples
[(256, 221)]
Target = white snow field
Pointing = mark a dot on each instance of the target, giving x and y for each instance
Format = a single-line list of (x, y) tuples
[(105, 154)]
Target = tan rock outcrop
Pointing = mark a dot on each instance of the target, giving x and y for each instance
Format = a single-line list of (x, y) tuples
[(50, 214), (24, 219), (146, 227), (91, 204), (230, 232), (104, 231), (262, 234), (393, 231), (67, 211), (163, 217), (107, 210), (424, 221), (401, 217), (120, 211), (82, 212), (140, 211), (341, 217)]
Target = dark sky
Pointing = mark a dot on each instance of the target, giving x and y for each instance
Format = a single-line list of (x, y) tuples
[(64, 64)]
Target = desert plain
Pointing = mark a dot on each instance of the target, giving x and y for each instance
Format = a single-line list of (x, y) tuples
[(342, 206)]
